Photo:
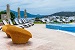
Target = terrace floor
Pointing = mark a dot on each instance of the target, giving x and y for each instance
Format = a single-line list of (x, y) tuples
[(43, 39)]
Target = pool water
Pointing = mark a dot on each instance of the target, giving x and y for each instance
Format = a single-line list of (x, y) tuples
[(64, 27)]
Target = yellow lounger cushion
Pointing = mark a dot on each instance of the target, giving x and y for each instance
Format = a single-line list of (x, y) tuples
[(18, 35)]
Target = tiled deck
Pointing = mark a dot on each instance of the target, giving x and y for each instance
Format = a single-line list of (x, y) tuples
[(43, 39)]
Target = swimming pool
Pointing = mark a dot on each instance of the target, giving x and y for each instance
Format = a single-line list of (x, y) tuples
[(64, 27)]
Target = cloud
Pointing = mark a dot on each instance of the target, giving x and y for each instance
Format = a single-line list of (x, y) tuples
[(39, 6)]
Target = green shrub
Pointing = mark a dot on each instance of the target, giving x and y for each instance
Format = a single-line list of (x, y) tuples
[(39, 22)]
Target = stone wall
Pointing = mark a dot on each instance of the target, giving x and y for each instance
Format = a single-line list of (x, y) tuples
[(4, 17)]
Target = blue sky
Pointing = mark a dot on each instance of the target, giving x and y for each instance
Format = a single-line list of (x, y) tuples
[(44, 7)]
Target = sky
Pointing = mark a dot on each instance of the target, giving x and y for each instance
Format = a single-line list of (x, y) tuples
[(43, 7)]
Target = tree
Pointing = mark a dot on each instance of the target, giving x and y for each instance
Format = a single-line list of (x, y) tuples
[(37, 19), (12, 16)]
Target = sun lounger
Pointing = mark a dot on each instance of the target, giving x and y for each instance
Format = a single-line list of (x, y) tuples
[(25, 25), (30, 23), (4, 22), (16, 21), (10, 22), (23, 20), (19, 20), (27, 22)]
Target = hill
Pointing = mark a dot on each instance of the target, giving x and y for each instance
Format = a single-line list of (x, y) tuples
[(28, 14), (63, 14)]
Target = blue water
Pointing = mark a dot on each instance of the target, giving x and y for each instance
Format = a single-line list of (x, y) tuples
[(64, 27)]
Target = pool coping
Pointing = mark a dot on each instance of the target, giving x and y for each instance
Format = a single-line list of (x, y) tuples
[(71, 33)]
